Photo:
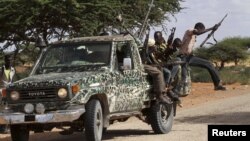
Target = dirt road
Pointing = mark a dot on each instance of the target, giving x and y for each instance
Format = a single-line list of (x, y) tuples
[(228, 107)]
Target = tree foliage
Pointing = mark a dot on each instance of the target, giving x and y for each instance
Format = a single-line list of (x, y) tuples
[(23, 20), (233, 49)]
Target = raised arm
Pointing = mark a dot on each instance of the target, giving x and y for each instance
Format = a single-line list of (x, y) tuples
[(199, 28), (199, 32)]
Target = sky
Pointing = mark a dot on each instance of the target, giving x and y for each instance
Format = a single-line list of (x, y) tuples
[(211, 12)]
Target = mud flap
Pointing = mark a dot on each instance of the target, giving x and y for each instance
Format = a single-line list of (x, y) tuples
[(175, 107)]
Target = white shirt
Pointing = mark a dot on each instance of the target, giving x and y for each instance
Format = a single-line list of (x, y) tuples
[(9, 76)]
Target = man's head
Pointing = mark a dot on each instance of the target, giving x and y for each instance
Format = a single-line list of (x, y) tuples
[(199, 26), (177, 43), (8, 60), (158, 37)]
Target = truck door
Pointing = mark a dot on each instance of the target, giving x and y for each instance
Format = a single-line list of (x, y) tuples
[(129, 81)]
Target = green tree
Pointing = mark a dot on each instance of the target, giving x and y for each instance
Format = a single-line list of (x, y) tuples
[(23, 20), (233, 49)]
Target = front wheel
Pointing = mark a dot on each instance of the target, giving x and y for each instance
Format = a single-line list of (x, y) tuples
[(19, 133), (161, 118), (93, 121)]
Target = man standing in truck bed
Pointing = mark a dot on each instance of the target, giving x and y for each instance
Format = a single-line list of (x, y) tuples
[(186, 55), (158, 79), (7, 75)]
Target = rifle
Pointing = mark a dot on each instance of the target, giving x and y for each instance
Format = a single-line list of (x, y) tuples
[(145, 22), (212, 32), (146, 29), (146, 58), (172, 63), (171, 37), (170, 48)]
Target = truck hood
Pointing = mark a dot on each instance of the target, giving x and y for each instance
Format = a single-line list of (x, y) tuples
[(60, 79)]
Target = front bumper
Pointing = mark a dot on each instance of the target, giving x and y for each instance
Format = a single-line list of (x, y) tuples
[(51, 117)]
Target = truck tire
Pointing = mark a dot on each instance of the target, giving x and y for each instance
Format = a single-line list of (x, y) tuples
[(93, 121), (19, 133), (161, 118)]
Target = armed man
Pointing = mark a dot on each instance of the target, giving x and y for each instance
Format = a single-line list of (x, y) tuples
[(157, 75), (157, 54), (186, 54), (7, 77)]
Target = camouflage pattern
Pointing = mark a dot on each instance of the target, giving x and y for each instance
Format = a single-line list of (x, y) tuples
[(125, 90), (113, 38), (182, 88)]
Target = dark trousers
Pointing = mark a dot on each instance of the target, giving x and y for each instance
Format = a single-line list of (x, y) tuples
[(167, 75), (158, 79), (175, 69), (203, 63)]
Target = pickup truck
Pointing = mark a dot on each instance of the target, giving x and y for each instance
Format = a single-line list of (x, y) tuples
[(84, 85)]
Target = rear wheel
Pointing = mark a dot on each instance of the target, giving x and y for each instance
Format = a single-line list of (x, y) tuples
[(19, 133), (93, 121), (161, 118)]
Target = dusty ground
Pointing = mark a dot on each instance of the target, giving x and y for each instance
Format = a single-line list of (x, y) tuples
[(204, 92)]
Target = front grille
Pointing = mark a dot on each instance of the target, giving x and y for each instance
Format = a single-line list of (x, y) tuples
[(41, 94)]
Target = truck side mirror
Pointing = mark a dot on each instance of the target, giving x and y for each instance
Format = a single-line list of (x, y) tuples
[(127, 64)]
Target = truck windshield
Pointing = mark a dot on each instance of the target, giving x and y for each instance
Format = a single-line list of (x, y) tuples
[(74, 57)]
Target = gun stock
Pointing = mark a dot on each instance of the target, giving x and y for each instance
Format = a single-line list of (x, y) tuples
[(145, 48)]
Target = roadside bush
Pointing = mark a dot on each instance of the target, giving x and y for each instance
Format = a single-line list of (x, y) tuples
[(200, 75), (229, 75)]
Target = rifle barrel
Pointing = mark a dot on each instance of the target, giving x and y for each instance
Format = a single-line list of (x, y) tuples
[(146, 19), (212, 32)]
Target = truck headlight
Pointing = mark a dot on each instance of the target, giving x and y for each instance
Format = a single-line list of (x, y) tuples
[(62, 93), (14, 95)]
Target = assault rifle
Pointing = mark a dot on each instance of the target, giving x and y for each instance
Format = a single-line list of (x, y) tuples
[(171, 37), (169, 51), (212, 32)]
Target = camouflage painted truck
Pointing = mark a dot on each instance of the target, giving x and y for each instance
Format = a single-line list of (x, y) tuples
[(84, 85)]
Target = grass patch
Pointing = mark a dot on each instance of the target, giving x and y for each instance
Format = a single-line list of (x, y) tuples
[(200, 75), (228, 75)]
